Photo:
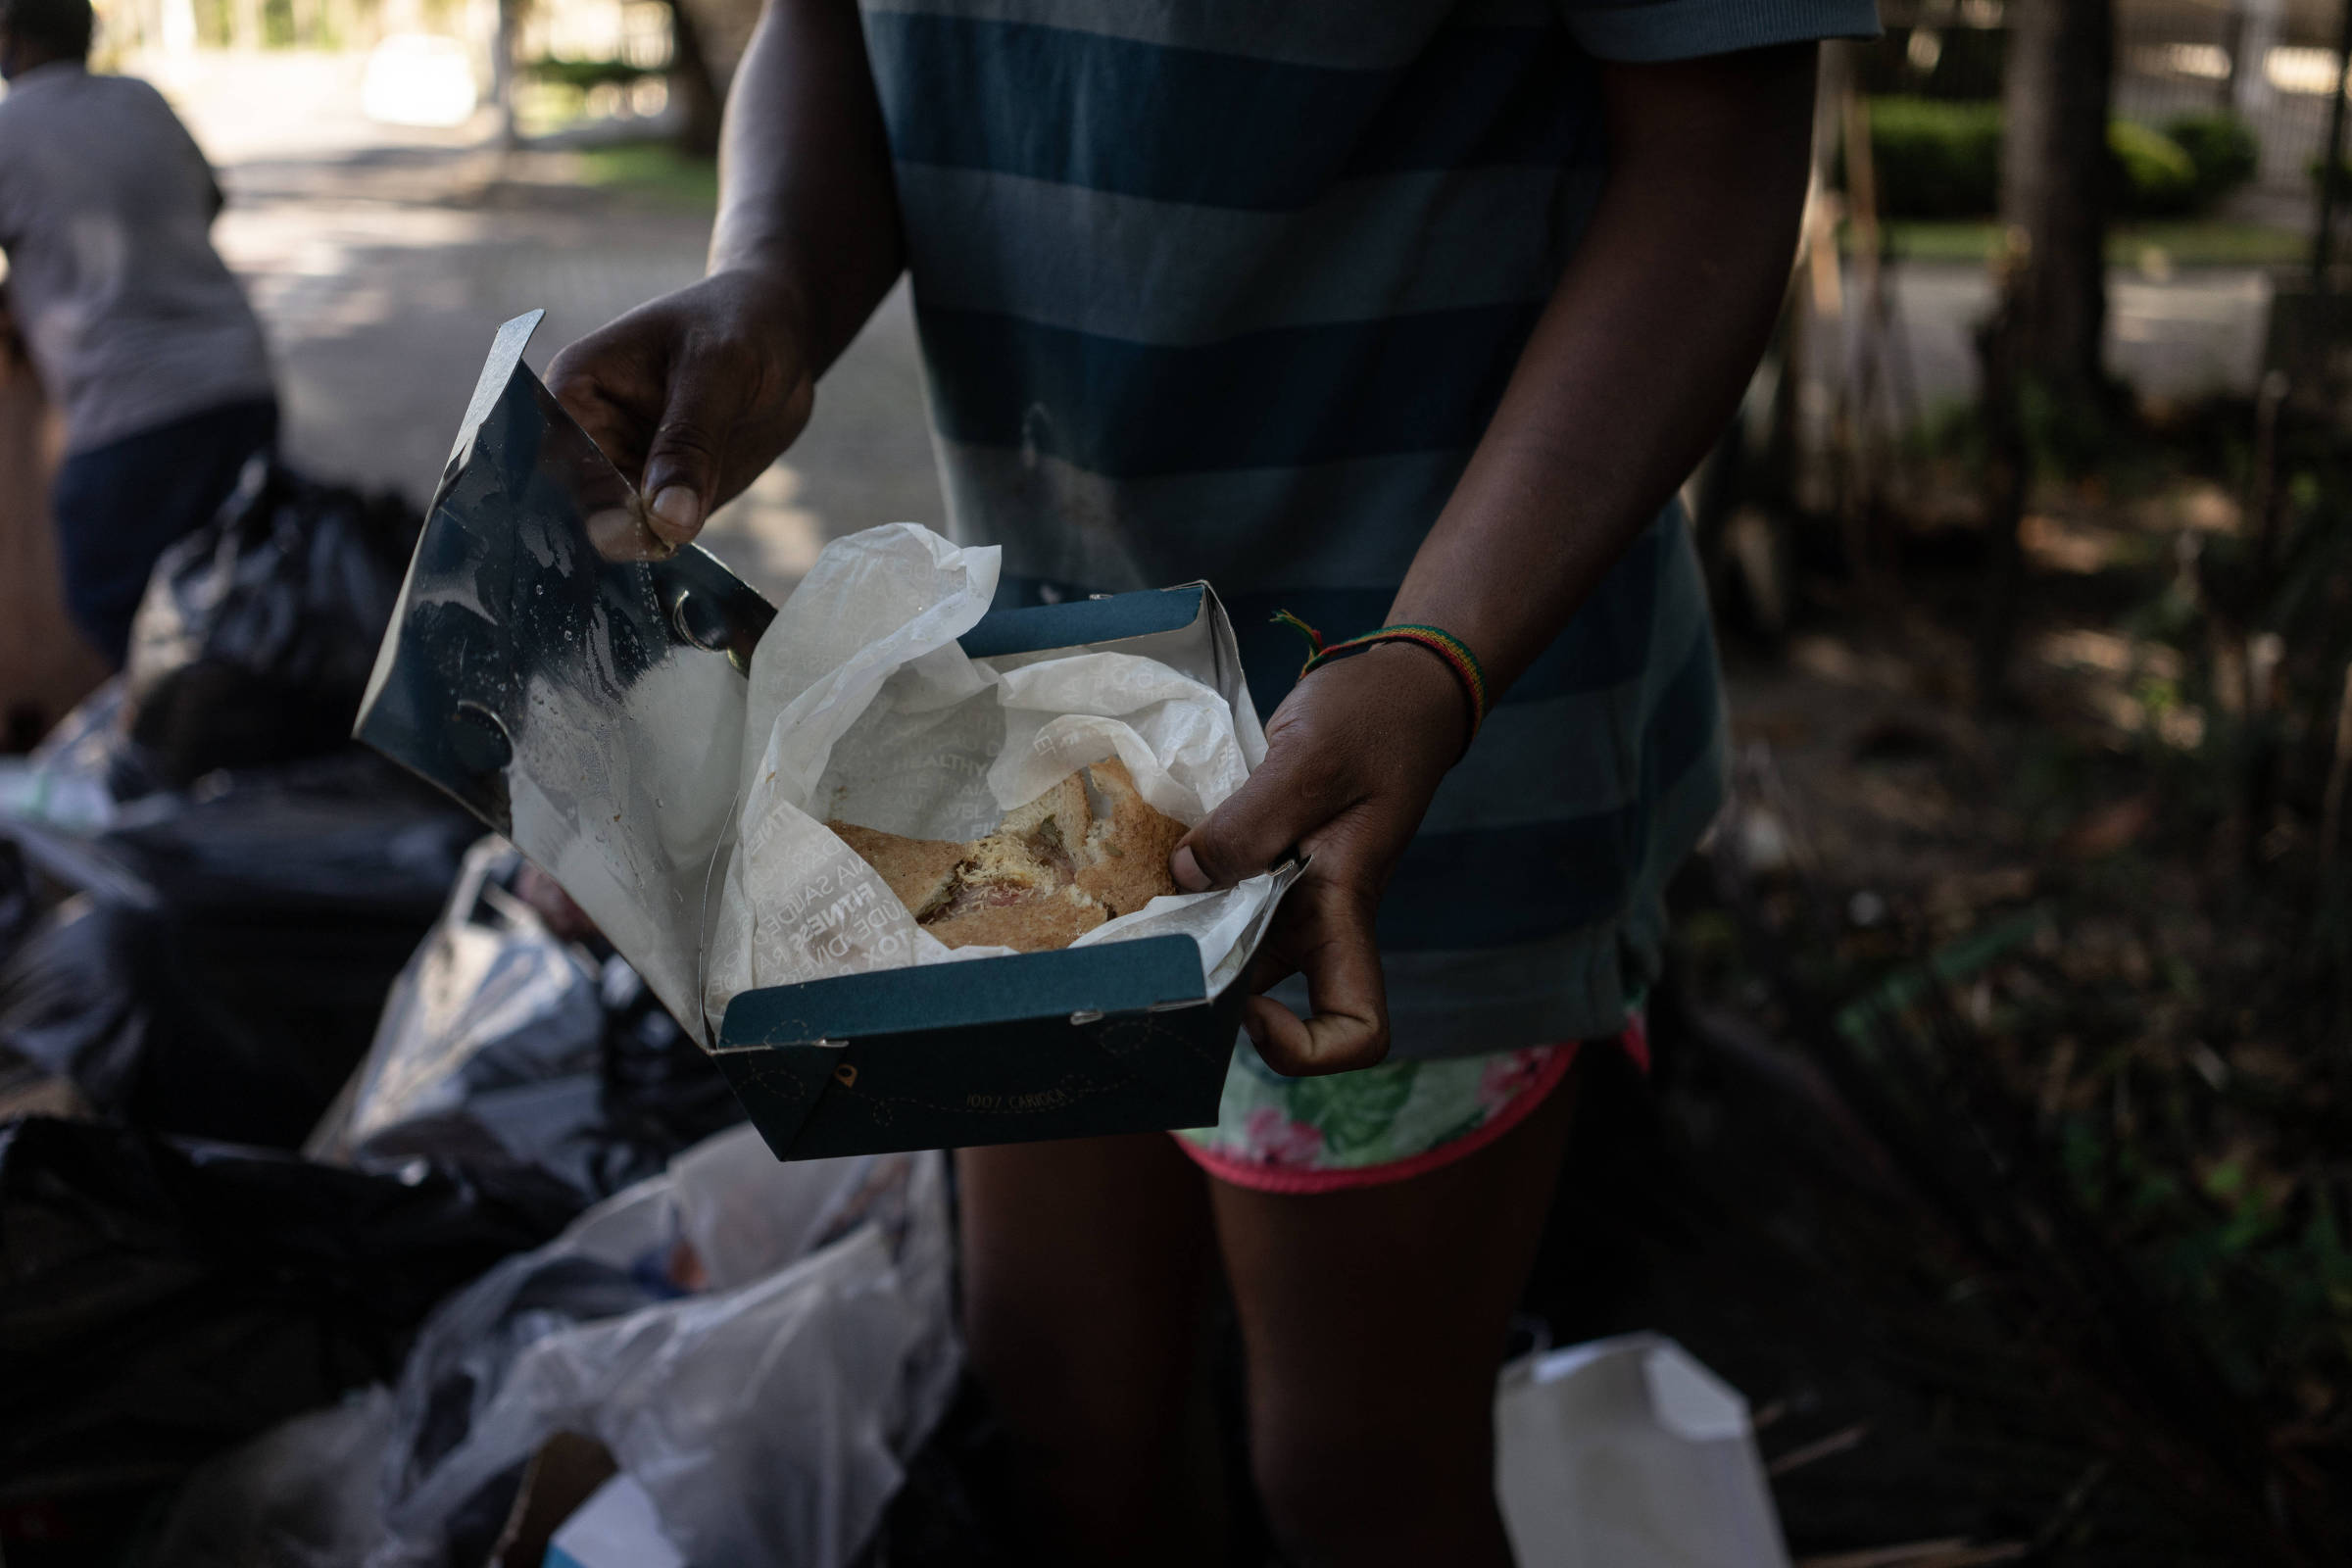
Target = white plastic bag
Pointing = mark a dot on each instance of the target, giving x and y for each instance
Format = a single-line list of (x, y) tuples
[(767, 1413), (1628, 1450), (863, 708)]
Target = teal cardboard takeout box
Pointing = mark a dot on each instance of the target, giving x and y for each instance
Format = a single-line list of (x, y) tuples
[(531, 646)]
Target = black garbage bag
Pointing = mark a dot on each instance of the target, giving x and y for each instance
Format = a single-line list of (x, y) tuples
[(161, 1301), (663, 1093), (26, 1087), (503, 1045), (218, 971), (81, 998), (19, 906), (83, 770), (258, 632)]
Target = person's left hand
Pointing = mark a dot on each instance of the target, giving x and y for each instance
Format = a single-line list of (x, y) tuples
[(1353, 756)]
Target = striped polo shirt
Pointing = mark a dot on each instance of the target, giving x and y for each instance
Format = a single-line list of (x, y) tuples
[(1228, 290)]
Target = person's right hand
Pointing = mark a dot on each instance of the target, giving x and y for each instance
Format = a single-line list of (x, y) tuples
[(693, 395)]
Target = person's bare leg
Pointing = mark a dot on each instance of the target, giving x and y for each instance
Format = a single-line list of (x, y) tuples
[(1374, 1321), (1084, 1264)]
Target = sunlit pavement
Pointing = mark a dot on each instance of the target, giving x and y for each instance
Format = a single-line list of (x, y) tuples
[(2196, 333), (382, 258)]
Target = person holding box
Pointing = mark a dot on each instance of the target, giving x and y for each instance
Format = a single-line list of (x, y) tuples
[(1400, 325)]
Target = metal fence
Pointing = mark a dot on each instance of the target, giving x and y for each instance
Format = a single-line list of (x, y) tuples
[(2270, 62)]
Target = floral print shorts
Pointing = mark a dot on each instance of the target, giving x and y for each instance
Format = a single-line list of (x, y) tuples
[(1382, 1124)]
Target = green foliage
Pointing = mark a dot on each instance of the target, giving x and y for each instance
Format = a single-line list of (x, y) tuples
[(2068, 434), (2258, 1267), (2181, 242), (1935, 159), (216, 27), (1942, 159), (2155, 177), (585, 74), (2222, 147), (653, 170), (2291, 597)]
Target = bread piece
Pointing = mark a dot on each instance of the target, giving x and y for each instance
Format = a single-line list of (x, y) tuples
[(921, 871), (1125, 862), (1050, 873), (1050, 830)]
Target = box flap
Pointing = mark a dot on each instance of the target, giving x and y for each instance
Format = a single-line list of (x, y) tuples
[(1112, 617), (1147, 974)]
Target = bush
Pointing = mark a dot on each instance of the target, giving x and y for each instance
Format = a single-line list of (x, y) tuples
[(587, 75), (2155, 177), (1936, 159), (2223, 148), (1942, 159)]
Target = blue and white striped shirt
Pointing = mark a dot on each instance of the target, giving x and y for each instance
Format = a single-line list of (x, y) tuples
[(1229, 290)]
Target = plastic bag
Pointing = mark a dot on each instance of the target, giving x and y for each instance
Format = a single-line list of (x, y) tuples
[(91, 998), (256, 634), (159, 1302), (502, 1043), (862, 706), (759, 1345), (170, 1029), (491, 1002), (301, 1494), (72, 780), (18, 908), (220, 971)]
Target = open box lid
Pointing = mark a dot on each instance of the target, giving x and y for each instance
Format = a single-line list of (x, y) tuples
[(575, 699)]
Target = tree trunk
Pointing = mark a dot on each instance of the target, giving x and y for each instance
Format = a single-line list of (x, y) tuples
[(2041, 355), (2054, 185), (502, 71), (2258, 23), (693, 85), (2008, 475)]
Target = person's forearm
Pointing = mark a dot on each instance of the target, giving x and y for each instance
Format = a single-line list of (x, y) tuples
[(804, 184), (1638, 360)]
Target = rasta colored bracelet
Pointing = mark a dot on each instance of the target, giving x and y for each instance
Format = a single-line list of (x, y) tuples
[(1446, 645)]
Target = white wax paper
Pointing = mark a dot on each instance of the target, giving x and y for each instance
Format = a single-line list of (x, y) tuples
[(862, 707)]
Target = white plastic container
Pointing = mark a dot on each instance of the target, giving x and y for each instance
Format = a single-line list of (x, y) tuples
[(1629, 1453)]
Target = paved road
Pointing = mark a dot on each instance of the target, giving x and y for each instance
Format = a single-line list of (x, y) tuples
[(383, 259), (2197, 332)]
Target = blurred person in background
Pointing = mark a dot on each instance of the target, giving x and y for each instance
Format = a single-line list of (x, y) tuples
[(1410, 317), (139, 332)]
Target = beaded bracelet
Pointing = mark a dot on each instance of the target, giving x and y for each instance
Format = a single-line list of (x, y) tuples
[(1446, 645)]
